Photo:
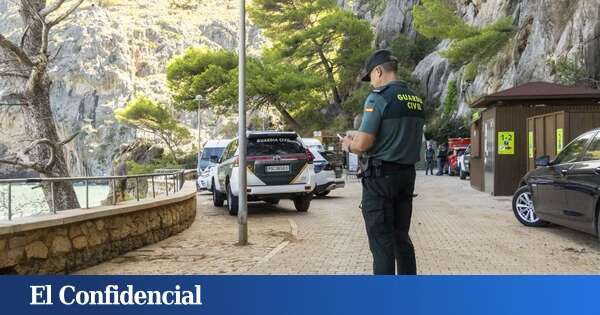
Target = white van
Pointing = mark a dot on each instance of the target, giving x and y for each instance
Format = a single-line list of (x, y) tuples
[(207, 159)]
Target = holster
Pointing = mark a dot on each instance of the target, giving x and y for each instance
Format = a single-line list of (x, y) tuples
[(370, 167)]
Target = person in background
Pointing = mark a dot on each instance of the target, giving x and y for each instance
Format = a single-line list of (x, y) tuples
[(429, 159), (441, 157)]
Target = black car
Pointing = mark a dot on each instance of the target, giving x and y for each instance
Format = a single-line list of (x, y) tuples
[(564, 191)]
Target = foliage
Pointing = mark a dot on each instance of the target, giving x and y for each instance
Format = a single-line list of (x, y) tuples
[(166, 161), (377, 6), (270, 82), (445, 123), (470, 72), (410, 51), (451, 99), (482, 46), (441, 129), (568, 71), (146, 115), (434, 19), (319, 36), (185, 160)]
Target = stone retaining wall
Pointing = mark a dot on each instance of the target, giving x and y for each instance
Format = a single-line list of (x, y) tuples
[(75, 239)]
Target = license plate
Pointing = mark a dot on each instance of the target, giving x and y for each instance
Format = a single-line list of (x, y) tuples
[(277, 168)]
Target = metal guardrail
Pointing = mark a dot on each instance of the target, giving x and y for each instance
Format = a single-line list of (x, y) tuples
[(176, 176)]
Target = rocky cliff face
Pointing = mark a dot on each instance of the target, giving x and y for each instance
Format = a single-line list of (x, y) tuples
[(547, 30), (107, 55)]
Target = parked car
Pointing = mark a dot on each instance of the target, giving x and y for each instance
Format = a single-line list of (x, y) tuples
[(312, 143), (456, 148), (325, 178), (338, 167), (279, 166), (464, 164), (207, 159), (564, 191)]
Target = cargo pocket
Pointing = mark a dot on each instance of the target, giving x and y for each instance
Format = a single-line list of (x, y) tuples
[(374, 214)]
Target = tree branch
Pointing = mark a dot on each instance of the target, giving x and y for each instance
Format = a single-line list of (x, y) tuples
[(69, 139), (51, 145), (66, 14), (51, 8), (45, 26), (24, 36), (14, 74), (15, 50)]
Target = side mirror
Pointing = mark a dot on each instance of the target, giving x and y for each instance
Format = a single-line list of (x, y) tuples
[(542, 161), (214, 159)]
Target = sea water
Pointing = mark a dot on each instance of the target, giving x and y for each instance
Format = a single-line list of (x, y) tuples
[(28, 200)]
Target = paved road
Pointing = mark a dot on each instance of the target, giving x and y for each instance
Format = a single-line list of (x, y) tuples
[(456, 230)]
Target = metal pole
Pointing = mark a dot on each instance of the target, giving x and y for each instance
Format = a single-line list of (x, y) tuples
[(52, 197), (9, 202), (114, 189), (167, 184), (153, 191), (137, 189), (87, 194), (243, 203)]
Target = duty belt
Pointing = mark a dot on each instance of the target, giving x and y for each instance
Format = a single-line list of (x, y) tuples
[(377, 168)]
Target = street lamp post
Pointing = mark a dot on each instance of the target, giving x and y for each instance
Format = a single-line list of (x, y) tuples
[(243, 203), (200, 99)]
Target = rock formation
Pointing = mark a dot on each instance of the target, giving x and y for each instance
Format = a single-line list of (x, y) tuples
[(105, 55)]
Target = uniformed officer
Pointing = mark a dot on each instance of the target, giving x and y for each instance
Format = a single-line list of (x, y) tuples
[(390, 140), (429, 157)]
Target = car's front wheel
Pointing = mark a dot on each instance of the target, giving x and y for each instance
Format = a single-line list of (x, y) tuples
[(524, 210), (302, 203), (232, 202), (218, 199)]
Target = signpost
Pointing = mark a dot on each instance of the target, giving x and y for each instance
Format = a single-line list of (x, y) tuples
[(243, 202)]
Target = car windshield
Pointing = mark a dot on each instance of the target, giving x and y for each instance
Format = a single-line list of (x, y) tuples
[(206, 154), (573, 151), (274, 146)]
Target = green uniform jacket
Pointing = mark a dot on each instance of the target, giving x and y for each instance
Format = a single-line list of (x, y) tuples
[(395, 116)]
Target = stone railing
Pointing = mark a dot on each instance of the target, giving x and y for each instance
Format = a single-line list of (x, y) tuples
[(75, 239)]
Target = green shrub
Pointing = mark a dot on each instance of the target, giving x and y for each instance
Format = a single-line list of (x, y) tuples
[(441, 129), (451, 99), (166, 161), (470, 72), (568, 71), (435, 19), (410, 51)]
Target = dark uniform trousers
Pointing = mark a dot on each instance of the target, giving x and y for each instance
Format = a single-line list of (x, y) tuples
[(429, 166), (387, 210)]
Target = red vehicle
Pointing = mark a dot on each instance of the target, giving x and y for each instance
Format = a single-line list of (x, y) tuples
[(456, 148)]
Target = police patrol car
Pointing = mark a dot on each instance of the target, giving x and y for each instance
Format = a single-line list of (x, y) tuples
[(278, 167)]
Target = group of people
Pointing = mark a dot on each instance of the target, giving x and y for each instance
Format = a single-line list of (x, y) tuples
[(430, 157)]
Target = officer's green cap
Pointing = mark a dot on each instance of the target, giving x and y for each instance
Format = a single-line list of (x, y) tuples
[(377, 58)]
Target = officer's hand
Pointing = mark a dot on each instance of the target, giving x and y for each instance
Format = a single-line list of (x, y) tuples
[(346, 143)]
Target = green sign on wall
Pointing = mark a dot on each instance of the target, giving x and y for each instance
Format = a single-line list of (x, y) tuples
[(530, 144), (506, 142), (560, 140)]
